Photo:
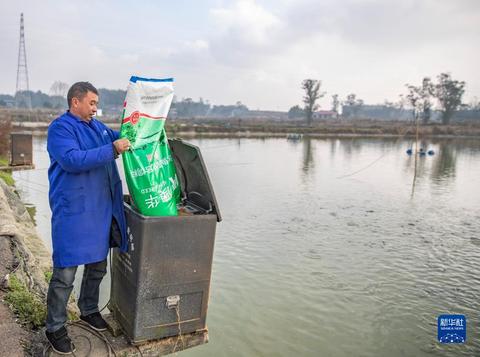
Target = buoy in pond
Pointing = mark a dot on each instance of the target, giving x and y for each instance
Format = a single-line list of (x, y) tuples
[(409, 151), (431, 152)]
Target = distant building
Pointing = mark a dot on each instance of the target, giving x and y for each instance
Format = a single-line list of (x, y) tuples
[(9, 103), (172, 114), (466, 115), (265, 114), (324, 115), (379, 112)]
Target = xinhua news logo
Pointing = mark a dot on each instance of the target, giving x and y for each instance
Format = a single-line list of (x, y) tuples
[(452, 329)]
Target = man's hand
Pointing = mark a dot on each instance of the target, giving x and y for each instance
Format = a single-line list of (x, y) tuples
[(121, 145)]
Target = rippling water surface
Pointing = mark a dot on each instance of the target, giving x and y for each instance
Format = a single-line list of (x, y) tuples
[(325, 249)]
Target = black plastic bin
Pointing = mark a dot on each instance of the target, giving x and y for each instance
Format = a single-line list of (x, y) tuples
[(161, 286)]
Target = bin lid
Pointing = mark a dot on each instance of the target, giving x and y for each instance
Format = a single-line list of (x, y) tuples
[(192, 173)]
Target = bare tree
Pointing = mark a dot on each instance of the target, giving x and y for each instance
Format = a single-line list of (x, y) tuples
[(401, 102), (414, 99), (420, 99), (335, 104), (312, 94), (59, 88), (426, 94), (474, 104), (449, 93)]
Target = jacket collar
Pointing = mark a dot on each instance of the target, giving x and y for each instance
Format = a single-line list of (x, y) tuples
[(73, 116)]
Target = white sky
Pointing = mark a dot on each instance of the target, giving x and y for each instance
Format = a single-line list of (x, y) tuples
[(257, 52)]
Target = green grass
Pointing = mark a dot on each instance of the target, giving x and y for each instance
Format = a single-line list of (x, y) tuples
[(7, 177), (48, 276), (28, 307), (3, 161)]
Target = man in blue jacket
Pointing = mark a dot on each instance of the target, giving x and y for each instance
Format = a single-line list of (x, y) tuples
[(86, 200)]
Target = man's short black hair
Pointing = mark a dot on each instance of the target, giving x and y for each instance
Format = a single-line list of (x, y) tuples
[(80, 90)]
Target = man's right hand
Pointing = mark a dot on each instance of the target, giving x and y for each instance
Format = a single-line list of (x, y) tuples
[(121, 145)]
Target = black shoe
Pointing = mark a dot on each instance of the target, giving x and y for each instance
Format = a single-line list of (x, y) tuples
[(60, 341), (95, 321)]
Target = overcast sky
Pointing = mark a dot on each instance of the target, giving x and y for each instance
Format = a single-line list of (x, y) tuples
[(252, 51)]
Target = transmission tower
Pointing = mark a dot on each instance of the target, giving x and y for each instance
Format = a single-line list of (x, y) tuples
[(22, 95)]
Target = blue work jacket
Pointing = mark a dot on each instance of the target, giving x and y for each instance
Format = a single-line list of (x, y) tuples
[(85, 190)]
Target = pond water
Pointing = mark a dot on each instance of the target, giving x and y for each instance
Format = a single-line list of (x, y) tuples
[(327, 249)]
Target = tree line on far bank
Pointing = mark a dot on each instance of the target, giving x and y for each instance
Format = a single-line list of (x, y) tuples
[(417, 104), (57, 98), (111, 101), (447, 92)]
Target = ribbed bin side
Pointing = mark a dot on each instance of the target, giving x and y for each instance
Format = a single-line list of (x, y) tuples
[(168, 257)]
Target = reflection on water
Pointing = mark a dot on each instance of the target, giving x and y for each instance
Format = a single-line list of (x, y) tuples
[(308, 162), (324, 252), (444, 167)]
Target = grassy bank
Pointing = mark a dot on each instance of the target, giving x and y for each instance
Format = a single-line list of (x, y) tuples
[(30, 310), (6, 175), (237, 127)]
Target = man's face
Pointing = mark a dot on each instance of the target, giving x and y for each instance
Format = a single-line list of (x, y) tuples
[(86, 107)]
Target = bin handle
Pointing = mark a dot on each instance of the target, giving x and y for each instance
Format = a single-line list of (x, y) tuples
[(201, 201)]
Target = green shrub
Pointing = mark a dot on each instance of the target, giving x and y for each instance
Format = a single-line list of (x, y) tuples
[(48, 276), (28, 307)]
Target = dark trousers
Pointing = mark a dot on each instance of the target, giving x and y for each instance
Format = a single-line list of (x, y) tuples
[(61, 286)]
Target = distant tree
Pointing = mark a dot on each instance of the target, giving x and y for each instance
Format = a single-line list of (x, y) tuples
[(59, 88), (23, 99), (296, 112), (401, 102), (449, 93), (7, 98), (420, 99), (414, 100), (5, 130), (228, 111), (335, 104), (388, 104), (426, 94), (351, 99), (474, 104), (188, 108), (312, 94), (352, 105), (240, 109), (111, 98)]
